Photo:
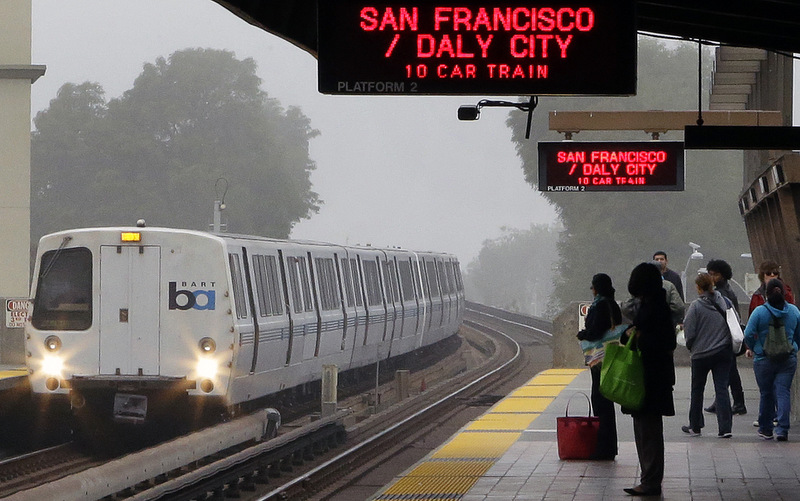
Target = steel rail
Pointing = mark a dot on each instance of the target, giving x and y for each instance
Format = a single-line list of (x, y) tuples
[(329, 464)]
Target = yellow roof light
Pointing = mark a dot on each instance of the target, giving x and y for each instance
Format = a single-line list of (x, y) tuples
[(131, 236)]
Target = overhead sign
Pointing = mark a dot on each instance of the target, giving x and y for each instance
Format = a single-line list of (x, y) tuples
[(496, 47), (611, 166)]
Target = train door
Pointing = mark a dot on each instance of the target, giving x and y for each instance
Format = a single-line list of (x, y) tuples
[(329, 302), (410, 303), (304, 318), (130, 280)]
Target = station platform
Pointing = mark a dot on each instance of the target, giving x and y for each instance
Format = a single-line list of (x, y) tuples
[(12, 376), (511, 453)]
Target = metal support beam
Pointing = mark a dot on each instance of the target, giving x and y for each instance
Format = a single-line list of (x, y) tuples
[(648, 121)]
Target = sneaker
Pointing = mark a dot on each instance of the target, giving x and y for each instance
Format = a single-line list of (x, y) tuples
[(739, 410), (711, 408), (726, 435), (755, 423), (690, 431), (782, 438), (765, 435)]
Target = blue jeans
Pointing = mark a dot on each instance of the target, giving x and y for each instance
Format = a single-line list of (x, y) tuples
[(774, 381), (719, 364)]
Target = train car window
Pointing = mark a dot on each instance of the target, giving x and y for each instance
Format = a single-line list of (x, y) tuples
[(267, 285), (430, 269), (238, 285), (372, 283), (326, 274), (459, 282), (347, 276), (451, 280), (418, 280), (274, 283), (390, 282), (64, 292), (441, 275), (354, 267), (406, 280), (305, 284), (294, 285)]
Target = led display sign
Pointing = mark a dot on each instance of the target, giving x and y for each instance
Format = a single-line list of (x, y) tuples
[(490, 48), (611, 166)]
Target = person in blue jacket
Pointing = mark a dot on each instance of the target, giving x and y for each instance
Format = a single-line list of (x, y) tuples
[(774, 378)]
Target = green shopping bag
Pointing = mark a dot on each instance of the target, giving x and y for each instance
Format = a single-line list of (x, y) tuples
[(622, 375)]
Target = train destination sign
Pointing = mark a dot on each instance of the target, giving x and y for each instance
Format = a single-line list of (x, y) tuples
[(611, 166), (511, 47)]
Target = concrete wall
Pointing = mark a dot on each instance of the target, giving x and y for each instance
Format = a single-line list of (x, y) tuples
[(16, 76)]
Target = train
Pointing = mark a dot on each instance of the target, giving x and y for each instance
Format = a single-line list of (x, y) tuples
[(133, 321)]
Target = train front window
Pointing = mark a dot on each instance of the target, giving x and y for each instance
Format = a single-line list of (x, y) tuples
[(64, 291)]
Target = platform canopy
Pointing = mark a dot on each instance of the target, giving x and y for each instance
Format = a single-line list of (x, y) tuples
[(765, 24)]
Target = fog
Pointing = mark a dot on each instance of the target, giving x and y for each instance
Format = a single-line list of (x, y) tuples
[(399, 171)]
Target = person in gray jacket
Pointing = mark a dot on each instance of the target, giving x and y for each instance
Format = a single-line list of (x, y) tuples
[(709, 342)]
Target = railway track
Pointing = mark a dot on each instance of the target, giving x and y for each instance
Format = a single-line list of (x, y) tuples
[(330, 458)]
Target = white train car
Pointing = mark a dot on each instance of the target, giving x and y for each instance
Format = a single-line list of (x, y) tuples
[(128, 319)]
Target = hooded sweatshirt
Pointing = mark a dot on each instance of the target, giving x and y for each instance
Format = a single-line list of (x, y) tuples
[(758, 326), (705, 328)]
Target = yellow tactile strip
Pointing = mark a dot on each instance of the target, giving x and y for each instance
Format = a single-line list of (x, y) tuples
[(451, 470), (13, 373)]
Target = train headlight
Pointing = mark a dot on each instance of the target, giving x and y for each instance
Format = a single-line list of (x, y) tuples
[(207, 345), (52, 365), (52, 343), (207, 368)]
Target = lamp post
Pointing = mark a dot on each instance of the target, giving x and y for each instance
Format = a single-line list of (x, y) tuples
[(695, 256)]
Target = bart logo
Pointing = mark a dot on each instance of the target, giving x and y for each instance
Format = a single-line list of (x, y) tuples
[(198, 299)]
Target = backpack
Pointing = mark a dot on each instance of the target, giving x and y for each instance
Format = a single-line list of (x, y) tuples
[(776, 345)]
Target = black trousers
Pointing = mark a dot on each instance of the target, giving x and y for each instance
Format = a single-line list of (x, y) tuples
[(604, 409), (648, 432), (735, 382)]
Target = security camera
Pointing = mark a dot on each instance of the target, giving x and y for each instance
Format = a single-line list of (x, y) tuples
[(468, 112), (694, 246)]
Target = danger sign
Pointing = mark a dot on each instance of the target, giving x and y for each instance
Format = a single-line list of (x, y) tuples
[(583, 310), (16, 312)]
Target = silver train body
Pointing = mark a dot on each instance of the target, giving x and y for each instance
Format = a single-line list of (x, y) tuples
[(139, 313)]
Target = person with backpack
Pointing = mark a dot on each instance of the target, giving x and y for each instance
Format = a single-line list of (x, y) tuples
[(773, 334)]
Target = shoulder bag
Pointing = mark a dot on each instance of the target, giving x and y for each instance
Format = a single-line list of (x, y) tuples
[(622, 375), (734, 327), (577, 435)]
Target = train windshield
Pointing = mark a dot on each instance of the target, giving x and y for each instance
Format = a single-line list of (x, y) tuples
[(64, 291)]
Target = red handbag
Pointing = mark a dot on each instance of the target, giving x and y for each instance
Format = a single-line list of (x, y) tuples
[(577, 435)]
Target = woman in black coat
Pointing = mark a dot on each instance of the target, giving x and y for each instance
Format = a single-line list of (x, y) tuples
[(655, 338), (603, 314)]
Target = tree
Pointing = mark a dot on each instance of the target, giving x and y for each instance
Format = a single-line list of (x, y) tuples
[(157, 151), (612, 232), (515, 270)]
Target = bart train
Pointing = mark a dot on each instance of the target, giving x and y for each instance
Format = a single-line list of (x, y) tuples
[(132, 319)]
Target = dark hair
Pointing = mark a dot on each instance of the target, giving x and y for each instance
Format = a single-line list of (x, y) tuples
[(721, 267), (645, 280), (775, 292), (704, 282), (766, 267), (660, 253), (602, 285)]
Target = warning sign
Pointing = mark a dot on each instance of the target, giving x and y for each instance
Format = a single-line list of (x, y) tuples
[(16, 312), (583, 310)]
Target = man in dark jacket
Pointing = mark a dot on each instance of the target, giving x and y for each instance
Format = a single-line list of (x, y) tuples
[(668, 274), (721, 272)]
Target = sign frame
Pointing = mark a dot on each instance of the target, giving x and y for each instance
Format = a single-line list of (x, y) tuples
[(501, 48), (613, 166)]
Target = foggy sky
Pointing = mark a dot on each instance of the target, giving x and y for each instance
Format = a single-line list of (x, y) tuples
[(399, 171)]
